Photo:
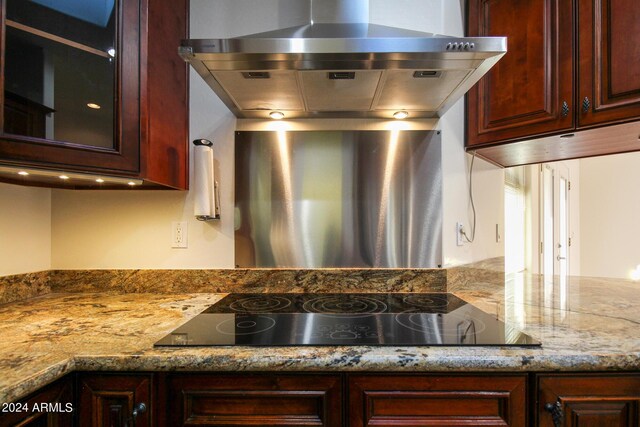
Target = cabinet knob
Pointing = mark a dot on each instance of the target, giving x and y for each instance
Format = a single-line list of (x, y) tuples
[(586, 104), (138, 409), (565, 109), (555, 409)]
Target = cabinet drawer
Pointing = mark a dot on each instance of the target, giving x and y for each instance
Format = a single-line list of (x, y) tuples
[(436, 400), (275, 400)]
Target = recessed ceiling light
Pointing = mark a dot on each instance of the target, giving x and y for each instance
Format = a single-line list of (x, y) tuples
[(63, 177), (23, 173), (400, 115), (277, 115), (100, 180), (93, 106)]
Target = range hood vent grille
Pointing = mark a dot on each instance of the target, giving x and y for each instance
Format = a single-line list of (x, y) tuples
[(256, 75), (426, 74), (341, 75)]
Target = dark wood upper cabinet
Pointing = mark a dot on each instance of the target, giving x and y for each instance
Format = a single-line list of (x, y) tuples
[(530, 90), (58, 62), (609, 61), (572, 72)]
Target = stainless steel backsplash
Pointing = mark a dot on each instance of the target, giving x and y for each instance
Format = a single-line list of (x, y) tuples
[(312, 199)]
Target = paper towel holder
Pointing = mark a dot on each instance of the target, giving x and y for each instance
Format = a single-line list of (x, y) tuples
[(204, 142), (215, 201)]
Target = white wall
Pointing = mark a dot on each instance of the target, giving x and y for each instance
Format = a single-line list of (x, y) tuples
[(610, 215), (25, 229)]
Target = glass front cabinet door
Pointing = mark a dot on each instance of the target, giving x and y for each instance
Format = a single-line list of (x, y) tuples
[(73, 90)]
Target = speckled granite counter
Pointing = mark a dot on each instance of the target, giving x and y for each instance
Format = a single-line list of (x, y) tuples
[(592, 324)]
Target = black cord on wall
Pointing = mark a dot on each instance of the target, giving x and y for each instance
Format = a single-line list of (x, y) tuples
[(473, 207)]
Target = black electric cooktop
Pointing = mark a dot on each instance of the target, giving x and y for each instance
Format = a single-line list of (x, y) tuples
[(409, 319)]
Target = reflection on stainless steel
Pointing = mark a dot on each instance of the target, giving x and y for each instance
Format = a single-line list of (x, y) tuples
[(338, 199)]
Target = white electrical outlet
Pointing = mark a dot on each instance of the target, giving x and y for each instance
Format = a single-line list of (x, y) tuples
[(459, 235), (179, 234)]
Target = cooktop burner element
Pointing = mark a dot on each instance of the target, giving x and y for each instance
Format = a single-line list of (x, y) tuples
[(349, 304), (260, 304), (428, 301), (345, 319)]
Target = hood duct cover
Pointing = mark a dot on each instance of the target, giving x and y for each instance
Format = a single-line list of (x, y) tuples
[(342, 69)]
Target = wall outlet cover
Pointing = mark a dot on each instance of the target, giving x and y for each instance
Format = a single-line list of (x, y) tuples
[(179, 234)]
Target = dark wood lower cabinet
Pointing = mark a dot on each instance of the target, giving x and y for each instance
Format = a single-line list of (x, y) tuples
[(254, 400), (333, 400), (52, 406), (437, 400), (589, 400), (119, 400)]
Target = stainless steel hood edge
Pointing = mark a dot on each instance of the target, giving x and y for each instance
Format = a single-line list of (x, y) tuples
[(458, 62)]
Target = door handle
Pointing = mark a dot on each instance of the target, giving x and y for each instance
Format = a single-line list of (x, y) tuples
[(560, 257)]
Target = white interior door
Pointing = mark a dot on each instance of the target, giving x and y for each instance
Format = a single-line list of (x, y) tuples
[(561, 225), (554, 212), (547, 222)]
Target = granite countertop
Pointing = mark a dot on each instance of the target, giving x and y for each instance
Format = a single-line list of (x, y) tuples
[(591, 324)]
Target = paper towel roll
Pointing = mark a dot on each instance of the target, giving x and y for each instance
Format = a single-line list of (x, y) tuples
[(206, 200)]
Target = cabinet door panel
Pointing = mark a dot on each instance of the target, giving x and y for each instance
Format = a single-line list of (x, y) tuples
[(523, 94), (107, 145), (609, 61), (57, 57), (110, 400), (431, 400), (590, 400), (275, 400)]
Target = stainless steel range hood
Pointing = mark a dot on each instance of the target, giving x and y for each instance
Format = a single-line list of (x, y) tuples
[(346, 68)]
